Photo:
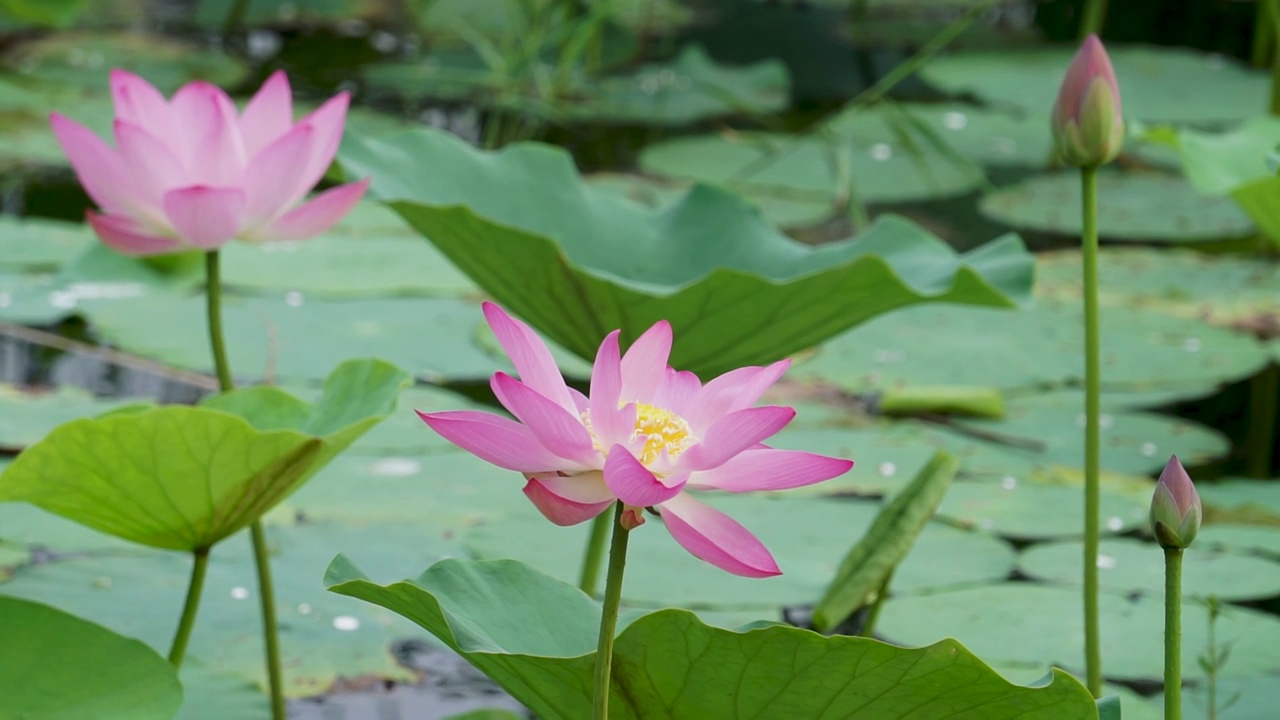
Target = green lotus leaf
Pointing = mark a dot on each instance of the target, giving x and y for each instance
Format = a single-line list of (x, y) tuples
[(55, 666), (536, 637), (578, 262), (184, 478)]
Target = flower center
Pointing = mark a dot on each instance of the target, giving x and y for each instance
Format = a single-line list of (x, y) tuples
[(661, 430)]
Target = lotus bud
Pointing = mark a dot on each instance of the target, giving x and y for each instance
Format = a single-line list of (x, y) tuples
[(1175, 508), (1088, 128)]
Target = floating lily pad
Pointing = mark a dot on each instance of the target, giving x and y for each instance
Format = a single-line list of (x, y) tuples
[(888, 454), (297, 338), (504, 23), (807, 536), (668, 663), (54, 665), (221, 466), (579, 263), (209, 695), (1133, 566), (1219, 289), (1252, 698), (1007, 624), (773, 165), (1249, 539), (27, 417), (323, 637), (1146, 207), (690, 88), (40, 244), (269, 12), (1159, 84), (84, 60), (1142, 350), (1032, 511), (404, 433), (17, 14)]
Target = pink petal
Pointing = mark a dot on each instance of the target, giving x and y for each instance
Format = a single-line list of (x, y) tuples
[(769, 469), (610, 423), (126, 236), (644, 367), (677, 391), (567, 500), (733, 434), (559, 430), (208, 134), (632, 482), (328, 120), (153, 166), (271, 179), (316, 215), (268, 115), (100, 169), (137, 102), (530, 356), (496, 440), (712, 536), (207, 217), (735, 390), (580, 401)]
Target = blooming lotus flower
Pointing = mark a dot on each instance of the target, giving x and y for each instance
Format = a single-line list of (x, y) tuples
[(1088, 128), (1175, 507), (646, 435), (192, 173)]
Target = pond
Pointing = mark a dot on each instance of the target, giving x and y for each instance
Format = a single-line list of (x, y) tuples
[(870, 190)]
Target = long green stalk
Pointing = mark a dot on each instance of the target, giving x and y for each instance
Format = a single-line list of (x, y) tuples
[(593, 558), (1272, 15), (199, 566), (1092, 409), (1095, 11), (1261, 439), (1264, 35), (1173, 634), (609, 615), (266, 591)]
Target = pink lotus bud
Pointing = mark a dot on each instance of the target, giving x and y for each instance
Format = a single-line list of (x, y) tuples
[(1175, 508), (1088, 128)]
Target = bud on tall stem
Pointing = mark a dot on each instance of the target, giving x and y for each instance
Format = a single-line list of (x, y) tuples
[(1088, 128)]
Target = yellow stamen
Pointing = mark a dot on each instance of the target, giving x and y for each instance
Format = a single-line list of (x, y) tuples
[(661, 431)]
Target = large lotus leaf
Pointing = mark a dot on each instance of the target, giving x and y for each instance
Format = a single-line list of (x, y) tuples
[(266, 12), (657, 193), (185, 478), (39, 13), (1149, 207), (1224, 290), (1132, 566), (1158, 84), (1142, 350), (1025, 510), (668, 664), (578, 263), (55, 666), (1006, 624), (83, 60), (453, 21)]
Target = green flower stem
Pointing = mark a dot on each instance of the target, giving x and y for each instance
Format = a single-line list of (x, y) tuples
[(199, 567), (1173, 634), (593, 558), (1261, 439), (1095, 11), (1264, 35), (266, 592), (1092, 403), (873, 615), (609, 615)]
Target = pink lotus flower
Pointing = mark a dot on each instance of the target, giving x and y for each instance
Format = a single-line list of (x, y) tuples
[(646, 434), (191, 173)]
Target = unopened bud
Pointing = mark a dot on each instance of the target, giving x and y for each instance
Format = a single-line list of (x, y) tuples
[(632, 517), (1175, 508), (1088, 128)]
